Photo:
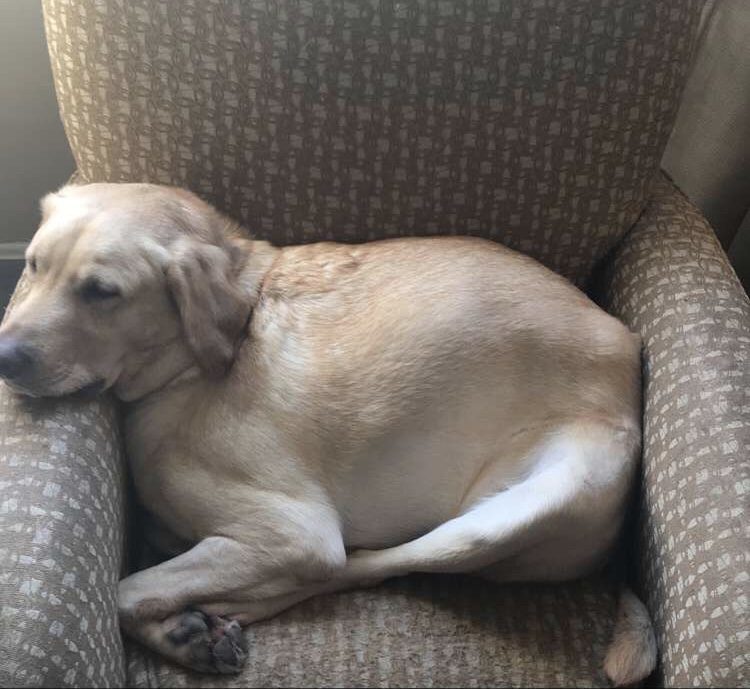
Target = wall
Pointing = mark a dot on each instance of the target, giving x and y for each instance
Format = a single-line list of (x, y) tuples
[(739, 252), (34, 153), (709, 152)]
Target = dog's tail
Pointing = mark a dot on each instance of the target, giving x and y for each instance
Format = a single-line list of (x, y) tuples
[(631, 656)]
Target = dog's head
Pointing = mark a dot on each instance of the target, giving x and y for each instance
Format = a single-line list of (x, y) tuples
[(119, 274)]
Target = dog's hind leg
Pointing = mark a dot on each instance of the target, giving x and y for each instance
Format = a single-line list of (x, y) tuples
[(555, 524)]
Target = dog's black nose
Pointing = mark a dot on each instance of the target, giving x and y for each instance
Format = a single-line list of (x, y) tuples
[(15, 358)]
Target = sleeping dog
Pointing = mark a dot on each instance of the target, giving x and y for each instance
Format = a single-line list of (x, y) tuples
[(322, 417)]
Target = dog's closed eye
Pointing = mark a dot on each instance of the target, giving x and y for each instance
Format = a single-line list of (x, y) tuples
[(94, 290)]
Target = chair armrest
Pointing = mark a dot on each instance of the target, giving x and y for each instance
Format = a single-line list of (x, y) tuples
[(671, 282), (61, 540)]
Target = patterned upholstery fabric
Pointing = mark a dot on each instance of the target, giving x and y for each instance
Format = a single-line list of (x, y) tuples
[(61, 528), (421, 632), (671, 282), (539, 123)]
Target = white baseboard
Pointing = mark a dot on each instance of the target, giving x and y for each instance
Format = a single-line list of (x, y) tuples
[(12, 251)]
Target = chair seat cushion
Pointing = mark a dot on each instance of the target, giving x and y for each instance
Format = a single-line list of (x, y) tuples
[(445, 631)]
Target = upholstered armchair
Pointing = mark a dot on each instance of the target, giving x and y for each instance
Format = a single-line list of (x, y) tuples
[(536, 123)]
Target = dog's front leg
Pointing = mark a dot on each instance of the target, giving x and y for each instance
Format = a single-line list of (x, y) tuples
[(162, 607)]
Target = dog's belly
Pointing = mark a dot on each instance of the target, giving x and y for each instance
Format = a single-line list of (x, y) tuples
[(413, 480), (412, 485)]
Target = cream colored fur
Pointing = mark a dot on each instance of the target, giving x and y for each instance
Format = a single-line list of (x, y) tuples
[(326, 416)]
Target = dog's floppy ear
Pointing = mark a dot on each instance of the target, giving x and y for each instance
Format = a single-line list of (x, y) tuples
[(47, 204), (202, 279)]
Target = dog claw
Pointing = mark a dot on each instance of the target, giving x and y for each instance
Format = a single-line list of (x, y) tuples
[(230, 652)]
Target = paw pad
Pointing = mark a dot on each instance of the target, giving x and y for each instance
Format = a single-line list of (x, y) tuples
[(211, 643)]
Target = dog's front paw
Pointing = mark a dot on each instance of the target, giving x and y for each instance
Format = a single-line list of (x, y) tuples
[(208, 643)]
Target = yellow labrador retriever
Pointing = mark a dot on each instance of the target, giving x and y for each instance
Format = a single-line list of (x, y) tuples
[(323, 417)]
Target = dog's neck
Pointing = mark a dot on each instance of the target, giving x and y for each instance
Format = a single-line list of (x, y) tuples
[(156, 370), (170, 362)]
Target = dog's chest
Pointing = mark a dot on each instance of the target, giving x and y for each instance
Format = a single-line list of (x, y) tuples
[(170, 481), (198, 463)]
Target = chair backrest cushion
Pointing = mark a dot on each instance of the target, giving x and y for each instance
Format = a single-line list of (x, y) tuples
[(537, 123)]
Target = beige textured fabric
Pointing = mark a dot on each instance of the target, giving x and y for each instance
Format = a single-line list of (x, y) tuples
[(672, 283), (420, 632), (536, 123), (60, 543)]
